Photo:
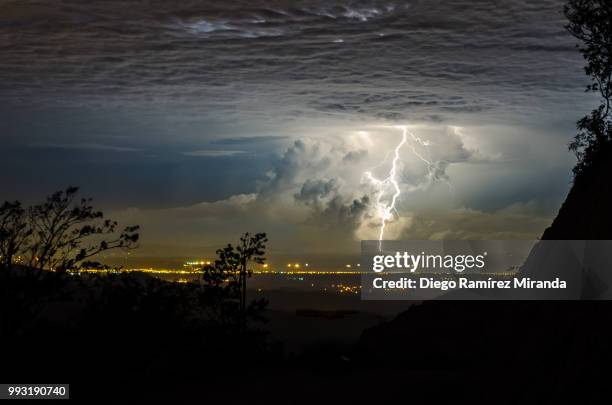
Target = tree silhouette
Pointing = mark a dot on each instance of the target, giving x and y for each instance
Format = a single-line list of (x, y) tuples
[(62, 234), (590, 21), (251, 249), (225, 280), (14, 232)]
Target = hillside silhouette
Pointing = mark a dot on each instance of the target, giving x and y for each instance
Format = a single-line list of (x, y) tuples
[(586, 213), (532, 351)]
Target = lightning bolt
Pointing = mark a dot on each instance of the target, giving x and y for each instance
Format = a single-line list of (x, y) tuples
[(385, 210)]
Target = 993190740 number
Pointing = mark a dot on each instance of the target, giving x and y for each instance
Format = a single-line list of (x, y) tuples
[(51, 391)]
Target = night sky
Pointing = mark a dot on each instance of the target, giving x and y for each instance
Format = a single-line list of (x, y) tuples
[(200, 120)]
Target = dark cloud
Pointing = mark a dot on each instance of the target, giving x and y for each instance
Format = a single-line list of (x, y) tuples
[(85, 146), (314, 191), (376, 58), (213, 153), (249, 140), (303, 157), (330, 209), (338, 212)]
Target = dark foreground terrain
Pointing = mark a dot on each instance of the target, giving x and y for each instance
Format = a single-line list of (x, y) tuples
[(134, 337), (138, 341)]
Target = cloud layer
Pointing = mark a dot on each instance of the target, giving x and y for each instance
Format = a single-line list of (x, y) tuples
[(396, 60), (264, 114)]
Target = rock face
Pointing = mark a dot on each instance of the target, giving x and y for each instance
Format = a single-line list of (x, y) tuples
[(583, 226), (586, 213)]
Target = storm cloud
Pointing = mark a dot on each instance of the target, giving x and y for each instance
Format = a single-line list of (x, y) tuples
[(205, 118)]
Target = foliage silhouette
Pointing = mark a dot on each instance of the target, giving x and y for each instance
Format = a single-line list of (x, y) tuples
[(14, 232), (590, 21), (225, 281), (62, 234)]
